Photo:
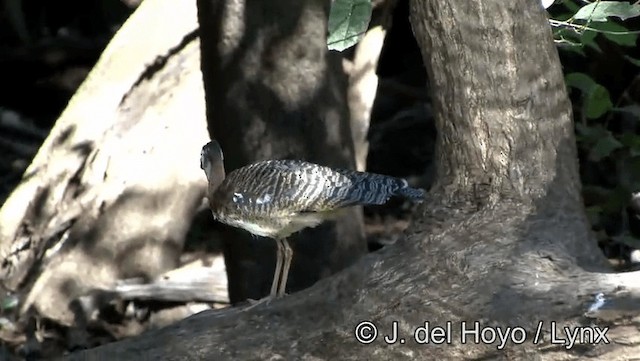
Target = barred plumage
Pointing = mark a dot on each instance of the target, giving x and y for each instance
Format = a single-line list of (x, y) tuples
[(275, 198)]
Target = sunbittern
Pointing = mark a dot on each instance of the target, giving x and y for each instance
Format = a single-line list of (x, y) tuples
[(276, 198)]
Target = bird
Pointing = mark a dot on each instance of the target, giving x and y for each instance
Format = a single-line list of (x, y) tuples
[(277, 198)]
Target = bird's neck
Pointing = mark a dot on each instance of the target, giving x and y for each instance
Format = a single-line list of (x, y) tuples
[(215, 174)]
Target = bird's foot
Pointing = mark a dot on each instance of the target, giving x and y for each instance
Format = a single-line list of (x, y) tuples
[(254, 303)]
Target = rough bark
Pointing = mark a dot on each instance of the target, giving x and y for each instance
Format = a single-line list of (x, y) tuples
[(503, 239), (113, 189), (274, 91)]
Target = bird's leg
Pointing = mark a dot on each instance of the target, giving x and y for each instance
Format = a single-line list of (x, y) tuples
[(288, 255), (280, 252)]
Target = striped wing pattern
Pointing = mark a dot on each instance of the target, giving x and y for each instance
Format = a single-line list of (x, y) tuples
[(283, 188)]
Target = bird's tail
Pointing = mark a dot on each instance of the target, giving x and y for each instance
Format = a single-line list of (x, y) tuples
[(370, 189), (414, 194)]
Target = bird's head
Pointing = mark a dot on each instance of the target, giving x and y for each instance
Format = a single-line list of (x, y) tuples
[(212, 162)]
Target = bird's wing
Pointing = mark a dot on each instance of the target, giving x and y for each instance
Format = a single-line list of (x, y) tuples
[(285, 187), (277, 188)]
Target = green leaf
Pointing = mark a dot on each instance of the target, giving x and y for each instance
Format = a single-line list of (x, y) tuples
[(588, 38), (573, 49), (604, 147), (633, 61), (571, 6), (570, 40), (564, 16), (348, 21), (596, 97), (580, 81), (630, 140), (591, 134), (600, 10), (620, 39), (597, 102)]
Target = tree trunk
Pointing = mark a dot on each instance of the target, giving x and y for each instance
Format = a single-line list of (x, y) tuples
[(113, 189), (502, 241), (274, 92)]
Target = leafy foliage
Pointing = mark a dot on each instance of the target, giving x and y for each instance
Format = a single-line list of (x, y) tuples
[(348, 21), (602, 10), (597, 47), (596, 100)]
